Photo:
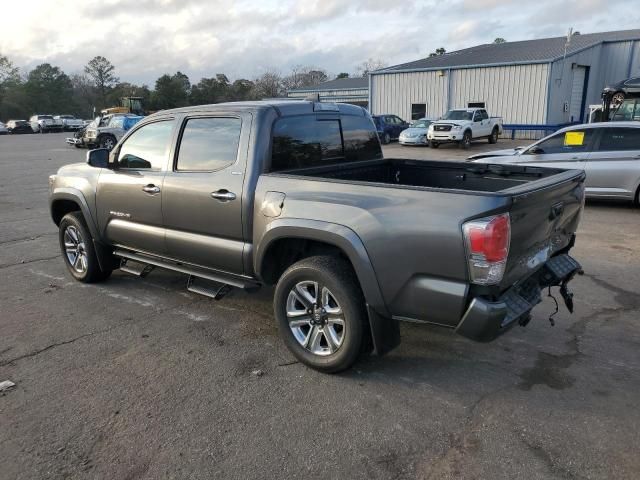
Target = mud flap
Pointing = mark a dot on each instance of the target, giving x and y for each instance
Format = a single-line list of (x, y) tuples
[(385, 332)]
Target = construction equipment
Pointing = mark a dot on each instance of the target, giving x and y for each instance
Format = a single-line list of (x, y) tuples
[(127, 105)]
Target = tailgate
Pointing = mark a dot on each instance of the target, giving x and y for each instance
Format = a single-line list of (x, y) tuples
[(543, 221)]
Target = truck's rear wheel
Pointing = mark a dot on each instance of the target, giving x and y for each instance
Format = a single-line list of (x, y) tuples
[(433, 144), (493, 138), (107, 141), (78, 251), (320, 312)]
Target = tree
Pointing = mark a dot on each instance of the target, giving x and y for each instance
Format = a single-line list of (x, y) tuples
[(370, 65), (171, 91), (499, 40), (10, 83), (49, 90), (242, 89), (210, 90), (342, 75), (268, 85), (303, 77), (101, 72), (438, 52), (8, 71)]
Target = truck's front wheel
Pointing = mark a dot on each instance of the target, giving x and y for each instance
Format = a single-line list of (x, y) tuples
[(466, 140), (320, 312), (78, 251)]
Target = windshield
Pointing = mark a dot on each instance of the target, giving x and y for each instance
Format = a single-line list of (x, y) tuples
[(458, 115), (421, 124), (116, 122), (45, 117)]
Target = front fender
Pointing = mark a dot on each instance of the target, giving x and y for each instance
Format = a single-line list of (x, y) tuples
[(385, 331), (75, 195)]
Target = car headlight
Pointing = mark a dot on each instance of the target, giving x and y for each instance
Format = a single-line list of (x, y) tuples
[(456, 127)]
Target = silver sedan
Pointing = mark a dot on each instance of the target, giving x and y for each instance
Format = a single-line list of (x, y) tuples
[(416, 134), (608, 152)]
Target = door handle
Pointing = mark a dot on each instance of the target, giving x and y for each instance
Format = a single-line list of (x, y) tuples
[(223, 195), (151, 189)]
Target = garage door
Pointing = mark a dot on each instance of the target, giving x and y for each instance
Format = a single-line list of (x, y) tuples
[(577, 90)]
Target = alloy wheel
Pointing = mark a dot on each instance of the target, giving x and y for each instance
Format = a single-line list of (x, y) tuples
[(315, 318), (74, 249)]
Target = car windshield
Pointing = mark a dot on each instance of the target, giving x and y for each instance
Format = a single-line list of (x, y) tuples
[(421, 124), (116, 122), (45, 117), (458, 115)]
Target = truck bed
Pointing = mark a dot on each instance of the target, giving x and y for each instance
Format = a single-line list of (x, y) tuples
[(459, 176)]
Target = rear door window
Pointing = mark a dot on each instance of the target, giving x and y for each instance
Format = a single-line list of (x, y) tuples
[(619, 139), (209, 144)]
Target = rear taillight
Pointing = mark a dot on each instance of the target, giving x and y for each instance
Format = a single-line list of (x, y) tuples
[(487, 241)]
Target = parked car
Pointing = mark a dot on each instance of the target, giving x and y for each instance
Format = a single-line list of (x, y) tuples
[(462, 126), (104, 132), (621, 90), (3, 129), (304, 199), (416, 134), (18, 126), (389, 127), (609, 153), (69, 122), (45, 123)]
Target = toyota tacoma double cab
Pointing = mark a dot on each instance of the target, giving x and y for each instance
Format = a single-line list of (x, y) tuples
[(298, 195), (462, 126)]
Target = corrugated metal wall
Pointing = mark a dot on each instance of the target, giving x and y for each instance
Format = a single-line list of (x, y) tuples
[(331, 93), (394, 93), (516, 93), (608, 63)]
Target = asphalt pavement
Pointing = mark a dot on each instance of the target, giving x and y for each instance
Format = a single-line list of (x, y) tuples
[(140, 379)]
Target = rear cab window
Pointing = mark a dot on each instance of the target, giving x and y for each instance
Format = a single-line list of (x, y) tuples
[(619, 139), (311, 141)]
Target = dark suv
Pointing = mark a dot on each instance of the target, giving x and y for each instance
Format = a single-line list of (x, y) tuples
[(389, 127)]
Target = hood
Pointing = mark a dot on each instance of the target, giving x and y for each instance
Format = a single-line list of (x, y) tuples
[(509, 152), (458, 123), (414, 131)]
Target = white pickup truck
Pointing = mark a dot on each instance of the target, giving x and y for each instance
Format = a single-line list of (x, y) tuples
[(462, 126)]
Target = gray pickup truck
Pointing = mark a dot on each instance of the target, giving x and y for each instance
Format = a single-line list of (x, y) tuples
[(298, 195)]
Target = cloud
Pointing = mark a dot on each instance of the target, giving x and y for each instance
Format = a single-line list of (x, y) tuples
[(242, 38)]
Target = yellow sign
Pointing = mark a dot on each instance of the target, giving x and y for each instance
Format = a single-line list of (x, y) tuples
[(574, 139)]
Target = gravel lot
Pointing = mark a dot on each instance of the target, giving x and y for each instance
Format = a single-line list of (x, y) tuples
[(137, 379)]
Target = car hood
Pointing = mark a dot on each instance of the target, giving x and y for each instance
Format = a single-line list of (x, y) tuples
[(509, 152), (458, 123), (413, 131)]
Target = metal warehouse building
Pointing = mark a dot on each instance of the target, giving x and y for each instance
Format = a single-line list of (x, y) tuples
[(342, 90), (544, 81)]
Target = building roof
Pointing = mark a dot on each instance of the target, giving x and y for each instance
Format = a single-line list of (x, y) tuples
[(337, 84), (542, 50)]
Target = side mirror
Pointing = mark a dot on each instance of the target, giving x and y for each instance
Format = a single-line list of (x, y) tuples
[(535, 150), (98, 158)]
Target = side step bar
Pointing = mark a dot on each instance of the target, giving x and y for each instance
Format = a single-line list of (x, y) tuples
[(193, 271), (137, 268), (213, 290)]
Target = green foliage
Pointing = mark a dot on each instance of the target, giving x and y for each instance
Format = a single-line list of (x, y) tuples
[(100, 70), (499, 40), (48, 89), (171, 91), (342, 75)]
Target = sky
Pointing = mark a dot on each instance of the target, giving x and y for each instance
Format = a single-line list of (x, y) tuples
[(147, 38)]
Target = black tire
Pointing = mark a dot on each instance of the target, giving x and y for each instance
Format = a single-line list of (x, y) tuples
[(340, 281), (466, 140), (107, 141), (386, 139), (433, 144), (617, 99), (493, 138), (90, 271)]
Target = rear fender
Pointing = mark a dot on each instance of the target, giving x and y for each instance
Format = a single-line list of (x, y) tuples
[(385, 332)]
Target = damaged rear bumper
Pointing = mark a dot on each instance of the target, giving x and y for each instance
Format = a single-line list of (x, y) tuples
[(485, 320)]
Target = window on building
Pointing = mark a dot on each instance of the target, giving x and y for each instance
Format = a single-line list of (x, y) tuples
[(418, 111), (476, 105), (209, 144)]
